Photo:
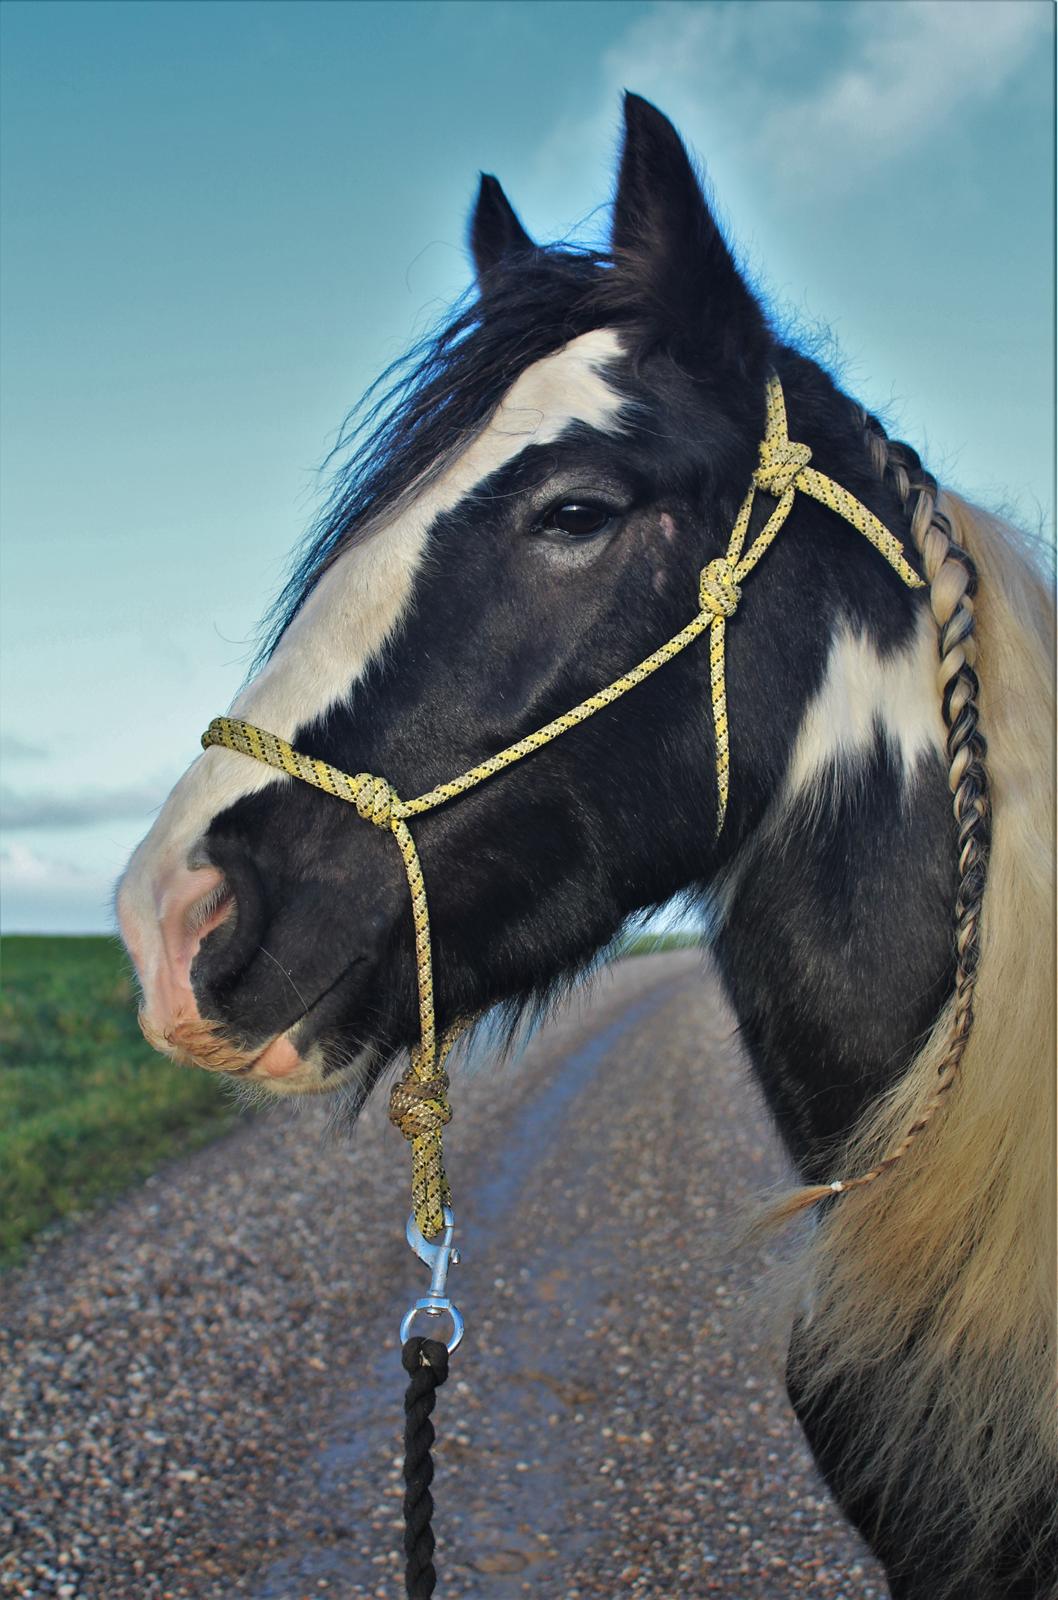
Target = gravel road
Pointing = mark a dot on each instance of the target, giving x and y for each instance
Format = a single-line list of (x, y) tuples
[(201, 1385)]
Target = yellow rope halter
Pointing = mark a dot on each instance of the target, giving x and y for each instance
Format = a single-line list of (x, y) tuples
[(419, 1101)]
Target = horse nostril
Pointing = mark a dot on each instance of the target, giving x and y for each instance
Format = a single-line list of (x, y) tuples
[(209, 910), (231, 909), (192, 902)]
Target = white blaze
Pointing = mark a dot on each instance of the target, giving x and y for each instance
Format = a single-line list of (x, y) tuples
[(353, 610)]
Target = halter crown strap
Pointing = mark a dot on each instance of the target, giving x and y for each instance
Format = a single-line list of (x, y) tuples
[(419, 1102), (784, 465)]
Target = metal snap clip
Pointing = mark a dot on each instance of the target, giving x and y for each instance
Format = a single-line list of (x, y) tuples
[(438, 1257)]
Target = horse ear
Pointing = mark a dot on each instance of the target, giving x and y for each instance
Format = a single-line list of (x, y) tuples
[(495, 231), (667, 247)]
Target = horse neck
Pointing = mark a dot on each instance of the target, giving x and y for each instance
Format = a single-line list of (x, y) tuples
[(836, 913)]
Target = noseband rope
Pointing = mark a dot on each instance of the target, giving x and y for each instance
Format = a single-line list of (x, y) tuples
[(418, 1103)]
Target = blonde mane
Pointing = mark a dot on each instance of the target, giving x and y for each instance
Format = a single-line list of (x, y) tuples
[(933, 1291)]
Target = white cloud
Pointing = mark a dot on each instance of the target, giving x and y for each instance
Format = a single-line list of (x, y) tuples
[(798, 93), (15, 748), (42, 894), (57, 810), (23, 868), (909, 69)]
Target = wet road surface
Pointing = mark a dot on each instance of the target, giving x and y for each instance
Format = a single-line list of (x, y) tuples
[(202, 1387)]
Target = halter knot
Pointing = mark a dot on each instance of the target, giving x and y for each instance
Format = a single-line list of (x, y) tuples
[(780, 463), (718, 591), (374, 799), (420, 1108)]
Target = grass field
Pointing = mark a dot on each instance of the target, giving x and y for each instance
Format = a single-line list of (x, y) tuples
[(85, 1106), (652, 944)]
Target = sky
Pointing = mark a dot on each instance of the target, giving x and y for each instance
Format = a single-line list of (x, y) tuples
[(222, 218)]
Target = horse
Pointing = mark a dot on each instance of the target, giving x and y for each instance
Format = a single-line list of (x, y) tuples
[(526, 507)]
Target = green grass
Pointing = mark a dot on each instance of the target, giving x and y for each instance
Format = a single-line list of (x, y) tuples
[(86, 1108), (653, 944)]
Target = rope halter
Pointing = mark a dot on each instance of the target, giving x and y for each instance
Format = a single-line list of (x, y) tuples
[(419, 1101)]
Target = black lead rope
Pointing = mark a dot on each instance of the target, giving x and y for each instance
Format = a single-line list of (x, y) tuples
[(426, 1362)]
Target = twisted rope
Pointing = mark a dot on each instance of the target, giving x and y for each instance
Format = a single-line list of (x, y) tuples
[(419, 1102), (426, 1362)]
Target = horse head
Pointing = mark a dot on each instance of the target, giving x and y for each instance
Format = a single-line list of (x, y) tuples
[(528, 519)]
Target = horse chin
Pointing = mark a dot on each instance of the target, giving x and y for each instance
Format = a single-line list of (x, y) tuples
[(278, 1067), (281, 1070), (320, 1071)]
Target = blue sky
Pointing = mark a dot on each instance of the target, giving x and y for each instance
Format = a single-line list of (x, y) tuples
[(222, 217)]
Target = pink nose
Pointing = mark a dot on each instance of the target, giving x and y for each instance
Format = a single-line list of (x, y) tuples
[(192, 903)]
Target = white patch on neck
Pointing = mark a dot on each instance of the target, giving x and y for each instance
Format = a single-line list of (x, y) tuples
[(863, 692), (353, 611)]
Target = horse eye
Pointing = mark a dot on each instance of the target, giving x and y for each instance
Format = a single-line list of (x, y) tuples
[(578, 519)]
